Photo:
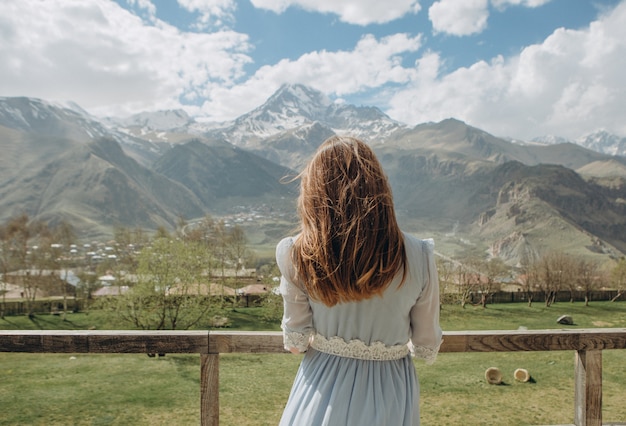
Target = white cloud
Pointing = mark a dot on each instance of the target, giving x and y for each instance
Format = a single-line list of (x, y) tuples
[(467, 17), (371, 64), (111, 62), (359, 12), (501, 4), (570, 84), (212, 12), (459, 17), (107, 60), (146, 5)]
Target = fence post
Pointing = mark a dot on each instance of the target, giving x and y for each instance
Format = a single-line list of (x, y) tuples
[(588, 388), (209, 389)]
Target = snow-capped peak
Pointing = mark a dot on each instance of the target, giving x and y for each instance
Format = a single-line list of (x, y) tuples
[(291, 106), (604, 142), (599, 141), (550, 140), (296, 105), (158, 120), (297, 98), (36, 115)]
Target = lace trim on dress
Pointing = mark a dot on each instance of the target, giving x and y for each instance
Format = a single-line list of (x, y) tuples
[(377, 351), (428, 354), (295, 339)]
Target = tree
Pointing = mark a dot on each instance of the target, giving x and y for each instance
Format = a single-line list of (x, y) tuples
[(126, 248), (201, 230), (218, 239), (162, 232), (169, 291), (27, 261), (5, 264), (272, 301), (88, 283), (555, 271), (237, 244), (490, 274), (618, 276), (127, 242), (587, 278), (568, 272), (445, 271), (530, 278), (61, 238), (467, 281)]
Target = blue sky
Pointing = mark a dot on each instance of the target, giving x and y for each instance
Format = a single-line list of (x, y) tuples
[(516, 68)]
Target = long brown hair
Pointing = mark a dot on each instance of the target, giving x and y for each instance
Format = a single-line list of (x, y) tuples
[(350, 246)]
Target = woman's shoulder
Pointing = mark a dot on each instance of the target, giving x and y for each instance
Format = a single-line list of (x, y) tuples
[(283, 253), (420, 253), (414, 243), (284, 244)]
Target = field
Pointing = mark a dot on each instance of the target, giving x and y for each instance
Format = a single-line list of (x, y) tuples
[(54, 389)]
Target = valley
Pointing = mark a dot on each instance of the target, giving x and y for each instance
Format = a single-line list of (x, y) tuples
[(471, 191)]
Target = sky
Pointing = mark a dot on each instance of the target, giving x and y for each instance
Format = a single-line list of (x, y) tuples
[(514, 68)]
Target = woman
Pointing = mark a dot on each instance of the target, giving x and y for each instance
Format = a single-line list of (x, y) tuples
[(357, 292)]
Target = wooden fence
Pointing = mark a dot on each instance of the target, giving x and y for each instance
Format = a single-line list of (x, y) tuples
[(587, 344)]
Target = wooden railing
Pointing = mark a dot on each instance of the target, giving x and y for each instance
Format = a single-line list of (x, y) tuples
[(587, 344)]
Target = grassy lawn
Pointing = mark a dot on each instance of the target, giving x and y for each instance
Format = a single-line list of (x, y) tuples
[(131, 389)]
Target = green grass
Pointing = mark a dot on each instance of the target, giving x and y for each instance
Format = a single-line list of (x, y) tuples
[(131, 389), (511, 316), (243, 319)]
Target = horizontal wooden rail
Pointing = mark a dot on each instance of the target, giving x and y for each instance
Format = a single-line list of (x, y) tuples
[(587, 344)]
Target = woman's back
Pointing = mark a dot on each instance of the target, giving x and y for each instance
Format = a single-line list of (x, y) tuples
[(356, 290), (383, 318)]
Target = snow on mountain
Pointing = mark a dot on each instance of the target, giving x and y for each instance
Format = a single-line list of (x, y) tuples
[(600, 141), (550, 140), (290, 107), (294, 106), (159, 120), (166, 128), (604, 142), (368, 123), (68, 120), (39, 116), (293, 101), (71, 105)]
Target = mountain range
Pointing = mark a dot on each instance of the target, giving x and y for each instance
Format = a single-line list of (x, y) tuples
[(600, 141), (472, 190)]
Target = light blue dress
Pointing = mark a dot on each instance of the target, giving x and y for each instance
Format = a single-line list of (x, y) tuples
[(357, 369)]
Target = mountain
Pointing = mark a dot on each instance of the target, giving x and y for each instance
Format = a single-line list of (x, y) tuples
[(58, 164), (295, 106), (223, 175), (455, 138), (542, 204), (294, 147), (148, 135), (294, 110), (36, 116), (550, 140), (471, 190), (157, 121), (604, 142), (600, 141), (93, 185), (449, 175), (603, 168)]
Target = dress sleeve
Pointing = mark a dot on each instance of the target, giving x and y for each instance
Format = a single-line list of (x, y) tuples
[(426, 334), (297, 323)]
